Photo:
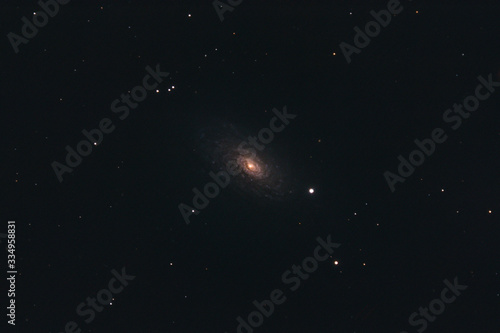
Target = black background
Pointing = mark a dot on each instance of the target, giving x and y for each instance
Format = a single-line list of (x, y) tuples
[(119, 207)]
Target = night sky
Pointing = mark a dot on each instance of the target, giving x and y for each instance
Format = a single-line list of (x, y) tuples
[(251, 166)]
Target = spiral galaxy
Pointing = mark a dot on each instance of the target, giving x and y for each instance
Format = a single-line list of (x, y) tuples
[(255, 172)]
